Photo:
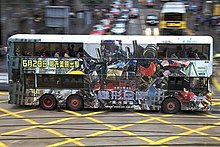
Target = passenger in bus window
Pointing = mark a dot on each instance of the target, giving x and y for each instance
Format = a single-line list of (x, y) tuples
[(196, 54), (66, 54), (28, 53), (202, 55), (18, 52), (190, 53), (80, 53), (43, 54), (71, 50), (57, 53), (180, 52)]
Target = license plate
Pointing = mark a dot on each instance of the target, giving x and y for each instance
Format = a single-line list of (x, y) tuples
[(173, 24)]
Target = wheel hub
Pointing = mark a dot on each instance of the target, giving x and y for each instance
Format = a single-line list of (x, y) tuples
[(170, 106), (75, 103), (48, 102)]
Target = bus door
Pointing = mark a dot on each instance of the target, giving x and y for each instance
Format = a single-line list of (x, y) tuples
[(16, 90)]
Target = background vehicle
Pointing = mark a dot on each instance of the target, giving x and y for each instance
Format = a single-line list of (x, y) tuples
[(98, 30), (133, 13), (3, 51), (115, 71), (115, 12), (106, 23), (150, 3), (173, 18), (109, 16), (152, 20), (119, 28)]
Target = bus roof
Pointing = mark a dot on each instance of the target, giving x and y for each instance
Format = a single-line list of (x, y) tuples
[(173, 7), (141, 39)]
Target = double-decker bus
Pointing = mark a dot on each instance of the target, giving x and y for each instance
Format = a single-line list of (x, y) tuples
[(173, 18), (168, 73)]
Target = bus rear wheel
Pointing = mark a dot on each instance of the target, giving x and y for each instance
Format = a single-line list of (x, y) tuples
[(48, 102), (74, 103), (170, 106)]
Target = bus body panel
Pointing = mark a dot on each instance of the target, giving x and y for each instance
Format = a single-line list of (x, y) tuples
[(132, 72)]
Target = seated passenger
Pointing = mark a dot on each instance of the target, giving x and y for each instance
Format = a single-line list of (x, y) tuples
[(80, 53), (66, 54), (57, 53), (71, 50)]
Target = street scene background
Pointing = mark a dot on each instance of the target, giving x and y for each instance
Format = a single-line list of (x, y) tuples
[(28, 126)]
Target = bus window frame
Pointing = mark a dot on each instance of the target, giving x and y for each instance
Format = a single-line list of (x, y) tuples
[(184, 47)]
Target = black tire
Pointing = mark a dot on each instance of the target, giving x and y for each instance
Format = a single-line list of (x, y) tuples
[(48, 102), (170, 106), (74, 103)]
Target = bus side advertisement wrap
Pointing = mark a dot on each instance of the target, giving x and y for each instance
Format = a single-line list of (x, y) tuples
[(168, 73)]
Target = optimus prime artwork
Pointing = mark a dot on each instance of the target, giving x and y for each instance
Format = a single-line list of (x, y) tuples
[(125, 77)]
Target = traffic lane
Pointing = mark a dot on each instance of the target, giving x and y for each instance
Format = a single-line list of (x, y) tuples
[(134, 27), (149, 30), (21, 124)]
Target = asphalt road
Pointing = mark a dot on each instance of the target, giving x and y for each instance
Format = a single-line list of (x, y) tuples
[(28, 126)]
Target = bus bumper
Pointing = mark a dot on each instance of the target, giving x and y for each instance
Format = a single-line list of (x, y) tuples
[(172, 31)]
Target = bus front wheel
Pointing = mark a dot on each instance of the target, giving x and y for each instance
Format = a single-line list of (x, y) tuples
[(48, 102), (170, 106), (74, 103)]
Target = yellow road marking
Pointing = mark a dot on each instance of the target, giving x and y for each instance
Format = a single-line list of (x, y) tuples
[(188, 132), (141, 114), (19, 112), (18, 116), (112, 127), (32, 127), (139, 137), (64, 142), (218, 72), (59, 120), (18, 130), (188, 129), (161, 120), (218, 123), (3, 93), (183, 134), (76, 140), (117, 128), (48, 123), (2, 144), (216, 83), (216, 138), (215, 103), (216, 100), (208, 115), (3, 101), (84, 115)]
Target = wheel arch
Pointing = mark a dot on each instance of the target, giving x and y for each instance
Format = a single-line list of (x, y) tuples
[(172, 97), (48, 94)]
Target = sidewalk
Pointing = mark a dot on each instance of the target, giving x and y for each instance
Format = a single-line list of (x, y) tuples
[(3, 81)]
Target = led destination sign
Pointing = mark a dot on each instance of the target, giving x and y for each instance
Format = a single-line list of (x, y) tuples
[(49, 63)]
